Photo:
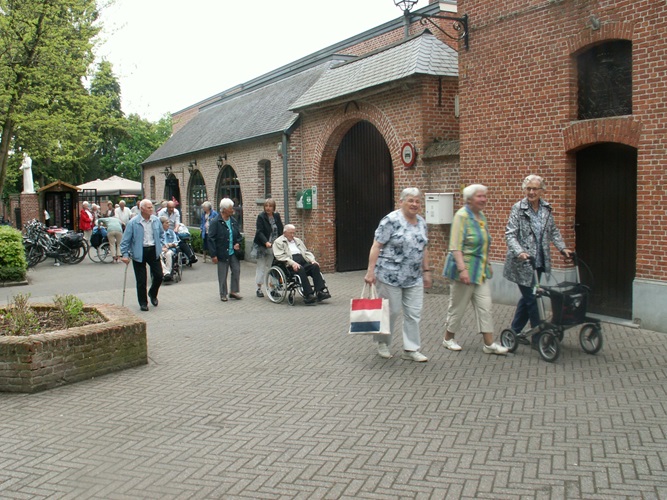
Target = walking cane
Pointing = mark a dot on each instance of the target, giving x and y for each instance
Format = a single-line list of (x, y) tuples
[(127, 266)]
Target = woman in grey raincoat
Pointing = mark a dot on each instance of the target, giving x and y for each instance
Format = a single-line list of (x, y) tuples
[(529, 232)]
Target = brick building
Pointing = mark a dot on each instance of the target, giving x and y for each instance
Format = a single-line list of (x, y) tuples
[(573, 90), (332, 123)]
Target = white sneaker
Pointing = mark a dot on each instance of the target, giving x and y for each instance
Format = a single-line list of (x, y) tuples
[(494, 349), (451, 344), (414, 356), (383, 350)]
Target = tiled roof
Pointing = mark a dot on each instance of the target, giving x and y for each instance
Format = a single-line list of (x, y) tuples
[(262, 112), (440, 149), (423, 54)]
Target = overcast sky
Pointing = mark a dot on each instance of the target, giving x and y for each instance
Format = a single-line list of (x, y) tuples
[(169, 54)]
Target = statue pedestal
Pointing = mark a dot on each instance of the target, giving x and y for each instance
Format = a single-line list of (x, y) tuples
[(29, 204)]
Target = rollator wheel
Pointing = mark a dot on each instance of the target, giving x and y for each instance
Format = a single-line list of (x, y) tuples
[(508, 339), (590, 338), (548, 346)]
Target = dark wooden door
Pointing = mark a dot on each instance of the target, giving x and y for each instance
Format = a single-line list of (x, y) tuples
[(606, 228), (172, 190), (364, 193)]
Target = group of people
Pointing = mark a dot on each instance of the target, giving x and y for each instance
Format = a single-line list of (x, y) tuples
[(113, 219), (399, 263)]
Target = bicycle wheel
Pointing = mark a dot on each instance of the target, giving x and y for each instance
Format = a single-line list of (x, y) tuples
[(34, 255)]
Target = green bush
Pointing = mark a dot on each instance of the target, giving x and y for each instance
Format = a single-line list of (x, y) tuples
[(196, 240), (13, 265), (20, 319)]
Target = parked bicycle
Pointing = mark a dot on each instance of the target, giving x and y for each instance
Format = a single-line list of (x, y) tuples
[(41, 243)]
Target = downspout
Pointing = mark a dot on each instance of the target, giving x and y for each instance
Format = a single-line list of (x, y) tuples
[(285, 150)]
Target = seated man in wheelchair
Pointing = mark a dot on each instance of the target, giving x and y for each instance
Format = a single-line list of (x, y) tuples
[(169, 252), (292, 252)]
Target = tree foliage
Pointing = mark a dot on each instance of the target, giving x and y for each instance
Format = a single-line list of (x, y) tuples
[(46, 48)]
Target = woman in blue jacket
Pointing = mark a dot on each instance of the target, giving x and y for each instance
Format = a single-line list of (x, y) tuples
[(207, 215)]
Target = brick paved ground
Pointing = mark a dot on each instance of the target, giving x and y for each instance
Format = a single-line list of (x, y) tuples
[(255, 400)]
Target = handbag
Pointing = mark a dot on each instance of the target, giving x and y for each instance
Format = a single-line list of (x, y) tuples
[(369, 315)]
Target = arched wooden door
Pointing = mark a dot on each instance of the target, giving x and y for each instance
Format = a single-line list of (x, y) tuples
[(606, 227), (364, 193)]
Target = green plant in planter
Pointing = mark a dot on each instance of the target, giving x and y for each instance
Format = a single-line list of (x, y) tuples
[(20, 319), (13, 265), (69, 310)]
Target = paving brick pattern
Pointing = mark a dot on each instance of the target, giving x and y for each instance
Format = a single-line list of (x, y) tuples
[(256, 400)]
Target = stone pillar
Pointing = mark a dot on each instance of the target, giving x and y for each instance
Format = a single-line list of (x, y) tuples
[(30, 207)]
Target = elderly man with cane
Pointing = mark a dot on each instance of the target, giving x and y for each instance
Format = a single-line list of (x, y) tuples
[(140, 239)]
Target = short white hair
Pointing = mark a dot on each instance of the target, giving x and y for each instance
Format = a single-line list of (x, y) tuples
[(289, 227), (409, 192), (472, 190), (226, 203), (532, 178), (85, 204)]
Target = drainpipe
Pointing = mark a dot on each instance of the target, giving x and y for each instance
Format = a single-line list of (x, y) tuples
[(285, 177)]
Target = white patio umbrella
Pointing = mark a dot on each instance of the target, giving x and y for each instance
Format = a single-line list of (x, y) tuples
[(114, 185)]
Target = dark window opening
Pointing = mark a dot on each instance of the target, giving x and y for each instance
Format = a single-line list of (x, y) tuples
[(605, 80)]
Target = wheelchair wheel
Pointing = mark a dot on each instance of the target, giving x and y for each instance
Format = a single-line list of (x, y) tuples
[(290, 297), (590, 338), (548, 346), (103, 252), (276, 285), (508, 339), (178, 273)]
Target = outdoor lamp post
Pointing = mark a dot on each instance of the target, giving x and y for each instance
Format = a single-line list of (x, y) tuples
[(460, 23)]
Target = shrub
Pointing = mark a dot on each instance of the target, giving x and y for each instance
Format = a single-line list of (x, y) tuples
[(196, 240), (13, 264), (69, 310)]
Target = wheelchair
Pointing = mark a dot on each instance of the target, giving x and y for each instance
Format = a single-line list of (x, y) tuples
[(176, 268), (282, 281)]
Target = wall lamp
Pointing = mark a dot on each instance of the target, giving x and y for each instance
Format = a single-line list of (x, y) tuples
[(460, 23), (221, 160), (192, 165)]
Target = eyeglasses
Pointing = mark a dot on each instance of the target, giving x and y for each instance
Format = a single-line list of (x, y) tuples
[(533, 189)]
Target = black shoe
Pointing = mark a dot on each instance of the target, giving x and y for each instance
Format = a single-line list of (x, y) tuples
[(259, 293), (310, 300), (143, 307), (193, 260), (154, 301), (323, 295)]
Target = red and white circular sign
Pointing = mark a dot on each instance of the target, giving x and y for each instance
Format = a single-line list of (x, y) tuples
[(408, 154)]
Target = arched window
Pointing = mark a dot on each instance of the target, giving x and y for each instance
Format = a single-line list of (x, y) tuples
[(172, 190), (196, 196), (229, 187), (605, 80), (152, 187)]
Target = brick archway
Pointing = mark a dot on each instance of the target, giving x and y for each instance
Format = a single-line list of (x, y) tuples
[(340, 122), (623, 129)]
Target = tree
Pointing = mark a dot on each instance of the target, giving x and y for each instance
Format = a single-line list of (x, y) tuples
[(143, 137), (46, 47), (109, 123)]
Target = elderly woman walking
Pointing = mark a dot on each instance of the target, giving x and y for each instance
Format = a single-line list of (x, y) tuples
[(467, 265), (530, 229), (399, 263), (269, 228), (224, 240), (207, 216)]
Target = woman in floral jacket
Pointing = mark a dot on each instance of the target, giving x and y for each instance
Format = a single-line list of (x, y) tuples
[(529, 232)]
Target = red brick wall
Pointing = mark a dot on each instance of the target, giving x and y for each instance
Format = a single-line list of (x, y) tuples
[(414, 112), (518, 107)]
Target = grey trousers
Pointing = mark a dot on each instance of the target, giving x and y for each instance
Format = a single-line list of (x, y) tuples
[(223, 269)]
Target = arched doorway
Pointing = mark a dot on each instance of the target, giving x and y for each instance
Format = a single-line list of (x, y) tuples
[(229, 187), (364, 186), (606, 226), (171, 189), (196, 196)]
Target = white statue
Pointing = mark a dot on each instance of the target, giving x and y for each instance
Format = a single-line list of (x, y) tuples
[(26, 166)]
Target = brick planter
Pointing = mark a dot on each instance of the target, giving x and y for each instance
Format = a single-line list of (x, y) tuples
[(37, 362)]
